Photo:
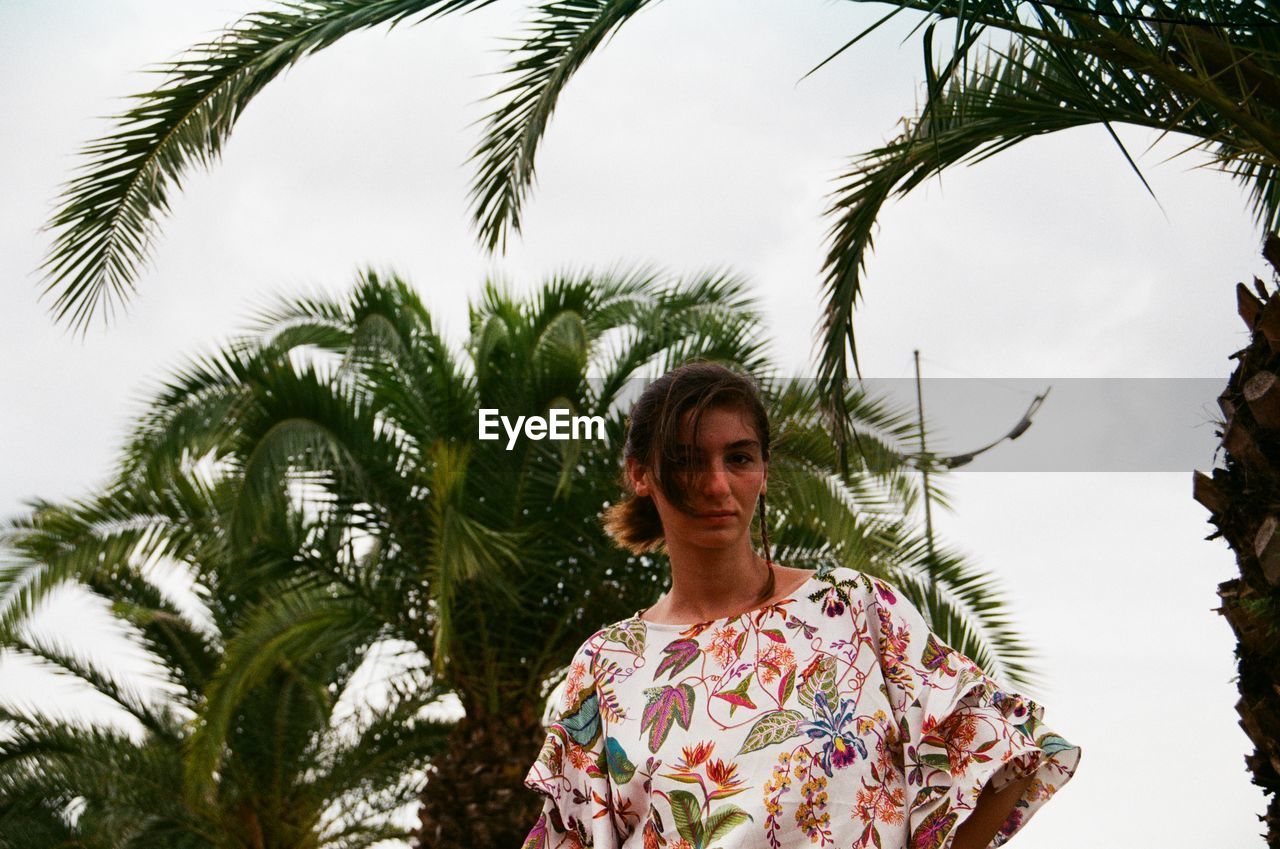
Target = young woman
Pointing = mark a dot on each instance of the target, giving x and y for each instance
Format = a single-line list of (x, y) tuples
[(759, 705)]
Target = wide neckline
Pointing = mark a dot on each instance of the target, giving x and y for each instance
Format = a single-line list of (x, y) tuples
[(667, 626)]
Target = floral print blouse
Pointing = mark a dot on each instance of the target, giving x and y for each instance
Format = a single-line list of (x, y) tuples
[(832, 717)]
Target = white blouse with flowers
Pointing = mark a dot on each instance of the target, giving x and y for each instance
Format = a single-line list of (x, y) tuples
[(832, 717)]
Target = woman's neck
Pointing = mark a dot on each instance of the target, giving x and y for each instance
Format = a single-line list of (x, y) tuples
[(712, 584)]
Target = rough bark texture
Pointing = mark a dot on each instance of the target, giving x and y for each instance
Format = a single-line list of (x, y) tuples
[(1244, 499), (475, 797)]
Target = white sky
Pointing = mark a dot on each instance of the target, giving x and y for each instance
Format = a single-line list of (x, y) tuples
[(689, 143)]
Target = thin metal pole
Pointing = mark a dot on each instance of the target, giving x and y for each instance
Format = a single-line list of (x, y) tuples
[(924, 470)]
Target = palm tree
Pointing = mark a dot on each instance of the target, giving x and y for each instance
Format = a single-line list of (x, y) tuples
[(293, 771), (1242, 498), (491, 560)]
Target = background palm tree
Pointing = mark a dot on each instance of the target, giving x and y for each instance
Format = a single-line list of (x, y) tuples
[(294, 770), (492, 561)]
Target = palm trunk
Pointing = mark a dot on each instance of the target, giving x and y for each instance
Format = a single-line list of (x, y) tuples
[(1244, 499), (475, 797)]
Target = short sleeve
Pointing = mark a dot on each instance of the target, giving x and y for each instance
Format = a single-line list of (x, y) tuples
[(959, 729), (570, 771)]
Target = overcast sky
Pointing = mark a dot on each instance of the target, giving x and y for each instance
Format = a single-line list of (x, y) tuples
[(691, 143)]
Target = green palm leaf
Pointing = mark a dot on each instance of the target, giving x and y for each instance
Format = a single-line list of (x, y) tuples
[(561, 36), (285, 629), (105, 225)]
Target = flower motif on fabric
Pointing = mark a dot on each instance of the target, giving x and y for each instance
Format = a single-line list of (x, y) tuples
[(725, 645), (894, 645), (840, 745), (775, 660), (699, 824)]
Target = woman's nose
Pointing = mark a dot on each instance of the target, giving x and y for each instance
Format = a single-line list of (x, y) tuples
[(715, 479)]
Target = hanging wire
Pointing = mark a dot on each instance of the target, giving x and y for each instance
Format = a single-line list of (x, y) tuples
[(1000, 382)]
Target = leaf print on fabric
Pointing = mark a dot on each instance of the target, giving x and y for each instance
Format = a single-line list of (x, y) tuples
[(537, 838), (685, 812), (664, 705), (786, 686), (620, 767), (772, 728), (722, 821), (583, 725), (927, 794), (934, 829), (818, 677), (678, 656), (608, 703), (1052, 744), (738, 696), (630, 632), (552, 753), (936, 656)]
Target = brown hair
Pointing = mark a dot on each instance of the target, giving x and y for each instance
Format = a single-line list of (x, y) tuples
[(652, 431)]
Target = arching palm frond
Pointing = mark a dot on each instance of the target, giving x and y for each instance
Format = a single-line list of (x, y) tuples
[(106, 222), (1027, 92), (103, 542), (31, 820), (1209, 69), (561, 36), (286, 629), (160, 723)]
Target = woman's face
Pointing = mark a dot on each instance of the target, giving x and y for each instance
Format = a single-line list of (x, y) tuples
[(729, 473)]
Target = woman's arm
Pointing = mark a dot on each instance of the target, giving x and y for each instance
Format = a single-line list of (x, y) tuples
[(990, 812)]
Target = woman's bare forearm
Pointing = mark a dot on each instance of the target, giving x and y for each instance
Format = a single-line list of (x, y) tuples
[(990, 812)]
